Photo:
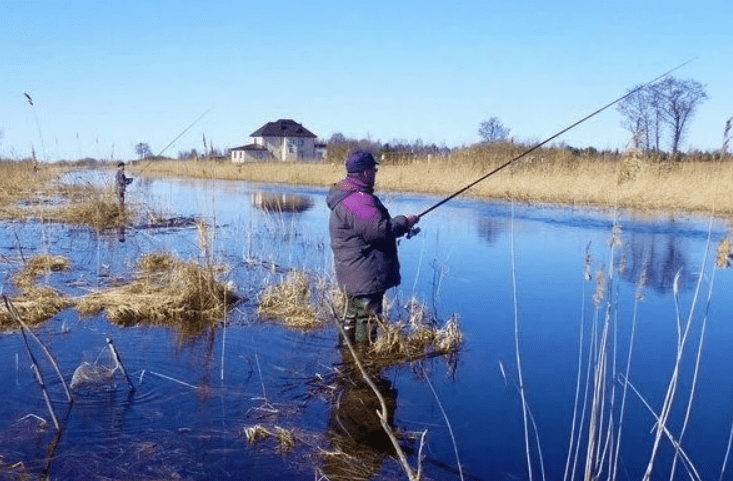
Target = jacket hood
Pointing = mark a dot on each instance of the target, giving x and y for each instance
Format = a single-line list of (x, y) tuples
[(344, 189)]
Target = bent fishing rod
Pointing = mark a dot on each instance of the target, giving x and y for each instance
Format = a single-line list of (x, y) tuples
[(537, 146), (172, 141)]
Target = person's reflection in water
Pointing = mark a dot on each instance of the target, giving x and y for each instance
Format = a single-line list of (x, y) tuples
[(358, 441)]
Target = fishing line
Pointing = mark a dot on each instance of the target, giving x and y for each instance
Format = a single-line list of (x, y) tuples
[(172, 141), (537, 146)]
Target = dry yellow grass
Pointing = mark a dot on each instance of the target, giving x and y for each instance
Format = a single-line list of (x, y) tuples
[(36, 304), (296, 303), (30, 190), (547, 176), (166, 291), (415, 338)]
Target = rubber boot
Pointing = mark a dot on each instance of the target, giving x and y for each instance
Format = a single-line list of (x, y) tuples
[(349, 325)]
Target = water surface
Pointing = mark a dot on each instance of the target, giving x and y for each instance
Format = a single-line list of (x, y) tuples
[(504, 270)]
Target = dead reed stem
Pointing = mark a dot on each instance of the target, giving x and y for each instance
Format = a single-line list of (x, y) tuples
[(689, 466), (34, 366), (518, 357), (25, 329), (672, 386)]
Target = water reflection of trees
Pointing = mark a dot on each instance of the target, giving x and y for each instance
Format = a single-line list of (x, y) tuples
[(489, 229), (660, 255)]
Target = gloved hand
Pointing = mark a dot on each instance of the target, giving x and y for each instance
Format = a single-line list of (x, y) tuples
[(412, 220)]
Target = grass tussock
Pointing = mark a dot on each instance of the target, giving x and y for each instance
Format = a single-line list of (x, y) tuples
[(36, 303), (561, 176), (95, 207), (417, 337), (296, 303), (35, 306), (166, 291), (26, 277)]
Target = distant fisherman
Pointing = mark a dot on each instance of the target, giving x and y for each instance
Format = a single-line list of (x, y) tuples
[(363, 239), (121, 182)]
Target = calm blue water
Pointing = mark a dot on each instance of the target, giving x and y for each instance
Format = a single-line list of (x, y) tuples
[(474, 259)]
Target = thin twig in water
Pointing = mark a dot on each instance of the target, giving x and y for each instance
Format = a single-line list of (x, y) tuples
[(173, 379), (447, 422)]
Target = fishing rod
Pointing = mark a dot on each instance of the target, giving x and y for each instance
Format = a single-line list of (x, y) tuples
[(537, 146), (172, 141)]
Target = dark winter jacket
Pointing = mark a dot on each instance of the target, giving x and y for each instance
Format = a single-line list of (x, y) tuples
[(121, 181), (363, 239)]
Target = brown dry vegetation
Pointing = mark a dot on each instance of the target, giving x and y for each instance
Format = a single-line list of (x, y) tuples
[(557, 176), (166, 291), (32, 190), (35, 303)]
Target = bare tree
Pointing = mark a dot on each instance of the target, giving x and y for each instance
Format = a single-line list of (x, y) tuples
[(670, 103), (492, 130), (641, 117), (143, 150), (678, 101)]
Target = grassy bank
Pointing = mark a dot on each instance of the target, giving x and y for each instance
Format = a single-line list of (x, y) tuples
[(548, 176)]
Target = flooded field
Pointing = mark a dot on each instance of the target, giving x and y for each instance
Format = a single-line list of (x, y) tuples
[(578, 316)]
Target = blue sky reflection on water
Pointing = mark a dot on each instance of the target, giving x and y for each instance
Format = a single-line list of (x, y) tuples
[(460, 263)]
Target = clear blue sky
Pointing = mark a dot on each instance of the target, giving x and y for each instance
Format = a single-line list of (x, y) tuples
[(106, 76)]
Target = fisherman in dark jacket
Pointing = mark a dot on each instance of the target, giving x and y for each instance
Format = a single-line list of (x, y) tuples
[(121, 182), (363, 239)]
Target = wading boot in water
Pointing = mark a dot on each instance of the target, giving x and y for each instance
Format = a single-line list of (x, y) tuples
[(349, 325)]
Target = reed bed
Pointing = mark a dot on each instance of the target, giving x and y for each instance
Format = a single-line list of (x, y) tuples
[(32, 190), (166, 291), (558, 176)]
